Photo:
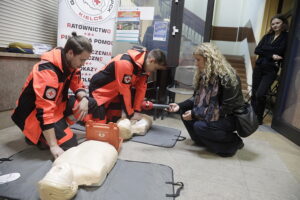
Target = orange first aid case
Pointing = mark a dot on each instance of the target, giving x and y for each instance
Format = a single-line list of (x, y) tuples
[(104, 132)]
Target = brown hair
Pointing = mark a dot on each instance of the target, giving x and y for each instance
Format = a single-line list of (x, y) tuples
[(159, 56), (285, 23), (78, 44)]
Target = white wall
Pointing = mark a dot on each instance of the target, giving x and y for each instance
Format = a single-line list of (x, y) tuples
[(198, 7), (228, 48), (237, 13), (227, 12), (253, 10)]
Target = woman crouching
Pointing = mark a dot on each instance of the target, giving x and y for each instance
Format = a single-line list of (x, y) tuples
[(208, 114)]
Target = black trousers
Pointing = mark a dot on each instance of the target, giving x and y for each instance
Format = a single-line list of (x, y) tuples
[(218, 136), (262, 79)]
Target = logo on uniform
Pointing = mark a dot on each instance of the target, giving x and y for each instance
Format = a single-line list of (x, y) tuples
[(93, 10), (50, 93), (127, 79)]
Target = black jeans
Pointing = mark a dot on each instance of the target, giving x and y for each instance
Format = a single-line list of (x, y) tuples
[(218, 136), (262, 79)]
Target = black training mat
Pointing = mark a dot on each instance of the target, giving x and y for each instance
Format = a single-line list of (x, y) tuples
[(133, 181), (127, 180), (32, 164), (78, 127), (158, 136)]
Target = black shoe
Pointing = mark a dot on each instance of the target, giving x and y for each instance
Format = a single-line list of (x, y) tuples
[(260, 120), (82, 123), (241, 145), (226, 154), (199, 143), (40, 145), (28, 141)]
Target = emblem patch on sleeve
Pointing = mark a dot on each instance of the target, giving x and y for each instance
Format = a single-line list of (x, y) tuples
[(50, 93), (127, 79)]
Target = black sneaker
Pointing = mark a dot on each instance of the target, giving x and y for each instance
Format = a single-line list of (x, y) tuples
[(226, 154), (81, 123), (260, 120), (28, 141), (40, 145), (199, 143), (241, 145)]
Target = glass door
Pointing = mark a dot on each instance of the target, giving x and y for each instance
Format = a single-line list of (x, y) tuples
[(195, 27), (148, 27), (174, 26), (286, 118), (150, 24)]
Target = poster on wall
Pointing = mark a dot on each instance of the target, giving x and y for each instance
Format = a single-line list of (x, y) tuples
[(128, 26), (160, 30), (94, 19)]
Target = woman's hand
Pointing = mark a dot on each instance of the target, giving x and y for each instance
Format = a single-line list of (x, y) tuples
[(276, 57), (187, 116), (81, 108), (173, 107)]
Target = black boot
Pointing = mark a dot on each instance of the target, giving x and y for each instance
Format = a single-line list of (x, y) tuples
[(260, 120)]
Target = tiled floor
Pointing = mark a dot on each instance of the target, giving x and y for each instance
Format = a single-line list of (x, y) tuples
[(267, 168)]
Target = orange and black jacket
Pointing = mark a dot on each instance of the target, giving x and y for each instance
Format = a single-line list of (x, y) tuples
[(44, 95), (124, 72)]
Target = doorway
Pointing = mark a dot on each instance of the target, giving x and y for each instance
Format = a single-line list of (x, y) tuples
[(174, 26), (286, 118)]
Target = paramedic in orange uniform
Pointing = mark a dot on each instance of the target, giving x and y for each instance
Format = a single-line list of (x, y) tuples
[(111, 86), (41, 107)]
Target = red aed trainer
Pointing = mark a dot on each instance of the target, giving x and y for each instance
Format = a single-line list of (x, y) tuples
[(104, 132)]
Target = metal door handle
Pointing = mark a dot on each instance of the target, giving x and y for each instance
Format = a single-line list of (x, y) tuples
[(175, 30)]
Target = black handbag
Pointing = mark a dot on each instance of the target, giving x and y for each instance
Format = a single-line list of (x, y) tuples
[(246, 122)]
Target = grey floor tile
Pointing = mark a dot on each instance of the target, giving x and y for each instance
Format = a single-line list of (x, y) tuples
[(263, 170), (259, 153), (206, 190), (271, 182), (266, 196)]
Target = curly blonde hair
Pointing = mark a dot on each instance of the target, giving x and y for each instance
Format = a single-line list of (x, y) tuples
[(216, 65)]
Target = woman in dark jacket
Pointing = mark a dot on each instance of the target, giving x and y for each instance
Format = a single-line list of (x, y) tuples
[(270, 51), (208, 115)]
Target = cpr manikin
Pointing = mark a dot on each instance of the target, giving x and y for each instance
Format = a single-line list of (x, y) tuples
[(129, 127), (87, 164)]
